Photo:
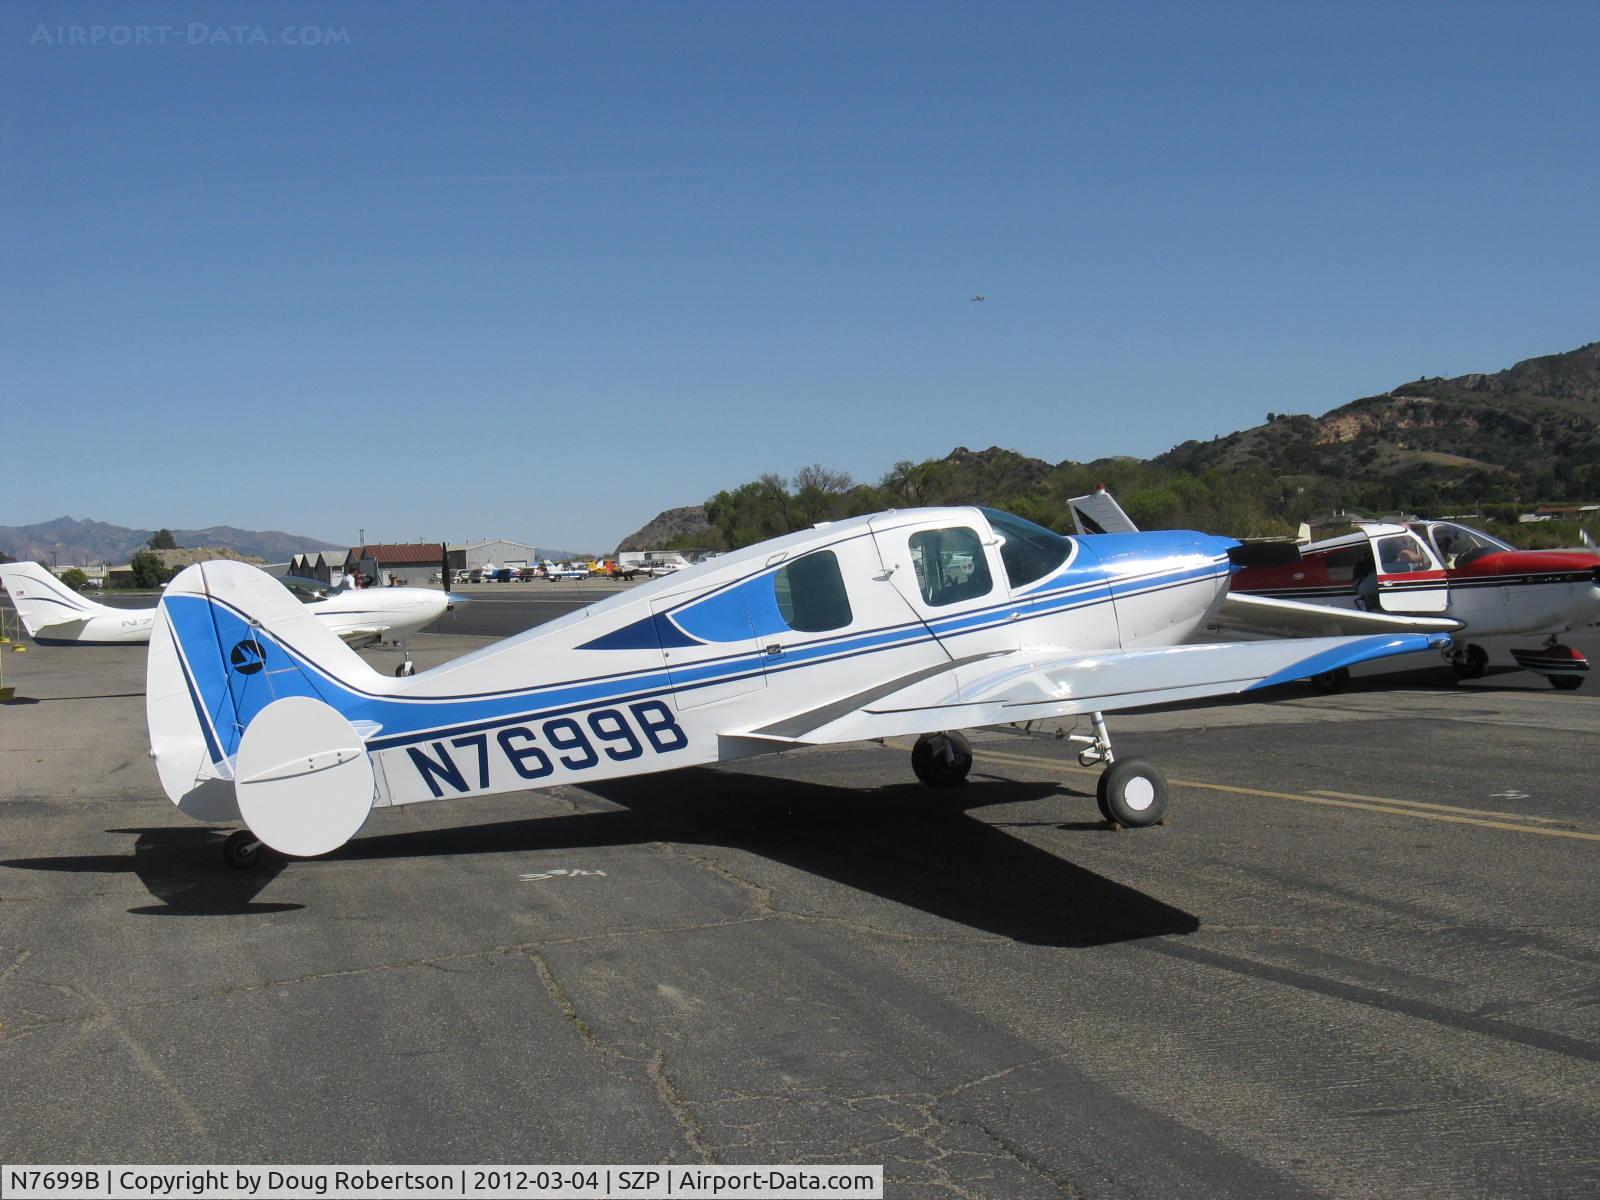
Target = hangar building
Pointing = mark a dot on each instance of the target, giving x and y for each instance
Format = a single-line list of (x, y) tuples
[(412, 564), (470, 555)]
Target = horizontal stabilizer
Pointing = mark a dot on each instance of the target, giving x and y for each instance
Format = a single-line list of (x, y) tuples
[(1098, 512)]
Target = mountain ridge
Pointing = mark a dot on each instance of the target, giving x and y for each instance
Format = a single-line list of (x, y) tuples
[(91, 542)]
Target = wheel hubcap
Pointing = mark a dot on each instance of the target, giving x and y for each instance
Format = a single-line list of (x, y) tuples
[(1138, 794)]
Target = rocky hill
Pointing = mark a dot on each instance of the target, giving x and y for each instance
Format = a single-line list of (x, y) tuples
[(1523, 436), (1531, 432), (85, 542), (685, 526)]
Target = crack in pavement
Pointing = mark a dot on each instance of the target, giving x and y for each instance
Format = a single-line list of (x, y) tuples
[(654, 1068)]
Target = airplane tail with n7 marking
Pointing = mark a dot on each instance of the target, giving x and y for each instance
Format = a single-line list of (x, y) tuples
[(257, 711), (48, 608)]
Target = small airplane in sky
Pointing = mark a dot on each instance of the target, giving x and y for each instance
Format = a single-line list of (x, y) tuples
[(54, 614), (979, 299), (1443, 569), (920, 623)]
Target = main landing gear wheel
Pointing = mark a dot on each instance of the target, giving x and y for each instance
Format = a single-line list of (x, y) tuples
[(1328, 682), (941, 759), (242, 850), (1566, 683), (1470, 663), (1132, 792)]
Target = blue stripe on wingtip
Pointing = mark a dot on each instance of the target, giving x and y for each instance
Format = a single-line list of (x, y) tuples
[(1367, 649)]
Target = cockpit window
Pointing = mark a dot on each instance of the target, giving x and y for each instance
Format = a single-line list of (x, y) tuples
[(1455, 542), (950, 566), (1402, 554), (1028, 551), (306, 590)]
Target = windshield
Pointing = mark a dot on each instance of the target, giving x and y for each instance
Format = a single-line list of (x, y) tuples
[(306, 590), (1455, 542), (1028, 551)]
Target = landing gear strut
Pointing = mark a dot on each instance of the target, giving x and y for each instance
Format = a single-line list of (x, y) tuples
[(242, 850), (406, 667), (1130, 793), (942, 759)]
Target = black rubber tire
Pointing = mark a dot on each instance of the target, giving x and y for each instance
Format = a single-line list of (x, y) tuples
[(1132, 793), (931, 766), (1473, 664), (1100, 796), (1566, 683), (1329, 682), (242, 850), (401, 672)]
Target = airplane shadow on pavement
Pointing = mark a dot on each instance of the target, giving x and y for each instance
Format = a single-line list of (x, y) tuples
[(905, 843), (182, 867)]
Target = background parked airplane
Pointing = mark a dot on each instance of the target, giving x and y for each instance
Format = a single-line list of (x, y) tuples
[(54, 614)]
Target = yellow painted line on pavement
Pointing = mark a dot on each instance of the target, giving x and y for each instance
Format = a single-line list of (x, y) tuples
[(1371, 804), (1471, 812)]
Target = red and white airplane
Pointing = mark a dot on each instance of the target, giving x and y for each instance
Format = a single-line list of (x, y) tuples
[(1441, 567), (1422, 568)]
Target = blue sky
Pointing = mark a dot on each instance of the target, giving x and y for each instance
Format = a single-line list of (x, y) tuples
[(540, 271)]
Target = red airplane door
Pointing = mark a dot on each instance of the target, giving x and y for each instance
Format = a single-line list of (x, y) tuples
[(1410, 578)]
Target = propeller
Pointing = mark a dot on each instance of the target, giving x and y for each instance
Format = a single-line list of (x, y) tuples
[(1264, 554)]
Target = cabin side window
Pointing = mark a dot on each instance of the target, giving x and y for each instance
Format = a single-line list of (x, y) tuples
[(811, 594), (950, 565)]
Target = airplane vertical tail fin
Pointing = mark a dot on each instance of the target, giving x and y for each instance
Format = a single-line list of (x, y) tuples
[(42, 600), (1098, 512), (228, 642)]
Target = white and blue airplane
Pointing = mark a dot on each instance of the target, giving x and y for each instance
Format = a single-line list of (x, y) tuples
[(919, 623), (54, 614)]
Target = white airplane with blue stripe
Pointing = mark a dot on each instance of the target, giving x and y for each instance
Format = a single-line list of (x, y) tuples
[(917, 623)]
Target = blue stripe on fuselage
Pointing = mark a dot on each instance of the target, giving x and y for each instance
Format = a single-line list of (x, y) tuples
[(234, 699)]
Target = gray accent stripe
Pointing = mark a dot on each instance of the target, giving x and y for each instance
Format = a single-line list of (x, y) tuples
[(803, 723)]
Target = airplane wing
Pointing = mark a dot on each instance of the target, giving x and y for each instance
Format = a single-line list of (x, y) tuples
[(1030, 685), (1294, 618)]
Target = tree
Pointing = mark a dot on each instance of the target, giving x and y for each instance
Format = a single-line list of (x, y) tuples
[(162, 539), (75, 579), (4, 557), (147, 570)]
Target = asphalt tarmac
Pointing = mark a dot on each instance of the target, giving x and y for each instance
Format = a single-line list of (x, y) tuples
[(1359, 961)]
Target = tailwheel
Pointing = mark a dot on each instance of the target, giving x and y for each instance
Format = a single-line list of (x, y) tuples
[(941, 759), (242, 850), (1132, 792), (1328, 682), (1470, 662)]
